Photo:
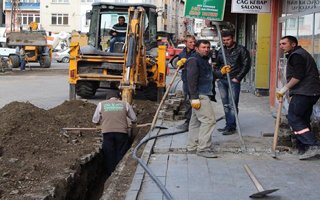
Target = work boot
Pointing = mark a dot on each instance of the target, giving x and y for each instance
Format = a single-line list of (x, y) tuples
[(207, 154), (229, 131), (312, 152), (184, 126), (222, 129)]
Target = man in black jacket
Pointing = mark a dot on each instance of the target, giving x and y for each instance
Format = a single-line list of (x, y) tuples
[(118, 32), (190, 42), (199, 80), (303, 84), (238, 59)]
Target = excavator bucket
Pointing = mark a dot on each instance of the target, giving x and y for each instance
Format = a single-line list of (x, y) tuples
[(32, 38)]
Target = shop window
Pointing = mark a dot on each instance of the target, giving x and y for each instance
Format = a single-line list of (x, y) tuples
[(292, 27), (316, 39), (292, 23), (305, 32)]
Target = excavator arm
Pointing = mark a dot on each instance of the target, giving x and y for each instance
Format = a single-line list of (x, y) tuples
[(134, 55)]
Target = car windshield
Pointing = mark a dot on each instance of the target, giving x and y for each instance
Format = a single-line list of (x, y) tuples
[(110, 19)]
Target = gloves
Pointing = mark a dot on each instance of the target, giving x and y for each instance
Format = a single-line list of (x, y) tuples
[(225, 69), (181, 62), (281, 92), (195, 103)]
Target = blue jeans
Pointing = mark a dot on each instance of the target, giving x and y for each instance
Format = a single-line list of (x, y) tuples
[(22, 64), (114, 40), (227, 101)]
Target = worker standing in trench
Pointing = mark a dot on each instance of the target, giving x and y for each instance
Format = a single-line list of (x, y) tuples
[(112, 115)]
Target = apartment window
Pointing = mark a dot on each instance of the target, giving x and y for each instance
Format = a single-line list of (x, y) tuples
[(59, 19), (60, 1), (27, 18)]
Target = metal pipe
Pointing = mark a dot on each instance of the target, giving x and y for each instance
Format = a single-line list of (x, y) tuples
[(163, 189), (230, 87)]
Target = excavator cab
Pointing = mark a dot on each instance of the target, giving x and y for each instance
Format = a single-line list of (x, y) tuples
[(103, 18), (135, 64)]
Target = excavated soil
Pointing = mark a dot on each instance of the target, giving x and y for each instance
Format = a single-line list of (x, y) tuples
[(35, 155)]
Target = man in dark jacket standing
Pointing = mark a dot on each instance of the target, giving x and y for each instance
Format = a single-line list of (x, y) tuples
[(112, 115), (199, 79), (303, 84), (238, 59), (118, 32), (190, 42)]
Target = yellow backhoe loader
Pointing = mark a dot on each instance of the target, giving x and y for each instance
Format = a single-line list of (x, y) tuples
[(137, 64)]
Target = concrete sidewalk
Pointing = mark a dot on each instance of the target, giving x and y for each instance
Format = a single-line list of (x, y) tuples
[(190, 177)]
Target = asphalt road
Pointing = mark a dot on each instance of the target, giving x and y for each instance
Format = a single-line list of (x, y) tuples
[(45, 87)]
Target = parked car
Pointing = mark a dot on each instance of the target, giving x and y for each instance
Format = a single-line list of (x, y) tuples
[(62, 56)]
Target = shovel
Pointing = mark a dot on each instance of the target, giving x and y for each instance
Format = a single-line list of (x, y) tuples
[(261, 191), (97, 129), (276, 129)]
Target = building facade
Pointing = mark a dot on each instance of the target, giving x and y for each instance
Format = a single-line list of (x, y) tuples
[(69, 15), (60, 15), (18, 14)]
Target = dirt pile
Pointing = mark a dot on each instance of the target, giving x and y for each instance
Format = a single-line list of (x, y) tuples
[(34, 152), (35, 155)]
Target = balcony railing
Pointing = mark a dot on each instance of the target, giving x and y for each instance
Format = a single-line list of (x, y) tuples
[(23, 6)]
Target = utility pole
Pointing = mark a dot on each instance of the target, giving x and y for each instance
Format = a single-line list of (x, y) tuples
[(14, 9), (178, 2)]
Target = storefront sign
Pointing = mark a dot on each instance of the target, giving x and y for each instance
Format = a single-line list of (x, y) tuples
[(205, 9), (251, 6), (294, 6)]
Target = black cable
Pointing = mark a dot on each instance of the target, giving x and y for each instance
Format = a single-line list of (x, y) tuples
[(146, 168)]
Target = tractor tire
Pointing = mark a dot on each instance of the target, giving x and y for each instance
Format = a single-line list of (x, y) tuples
[(45, 62), (14, 61), (151, 92), (86, 89)]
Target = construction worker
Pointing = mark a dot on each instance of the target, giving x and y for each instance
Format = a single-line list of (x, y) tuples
[(303, 84), (190, 42), (112, 115), (199, 79), (22, 54), (118, 32), (238, 58)]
